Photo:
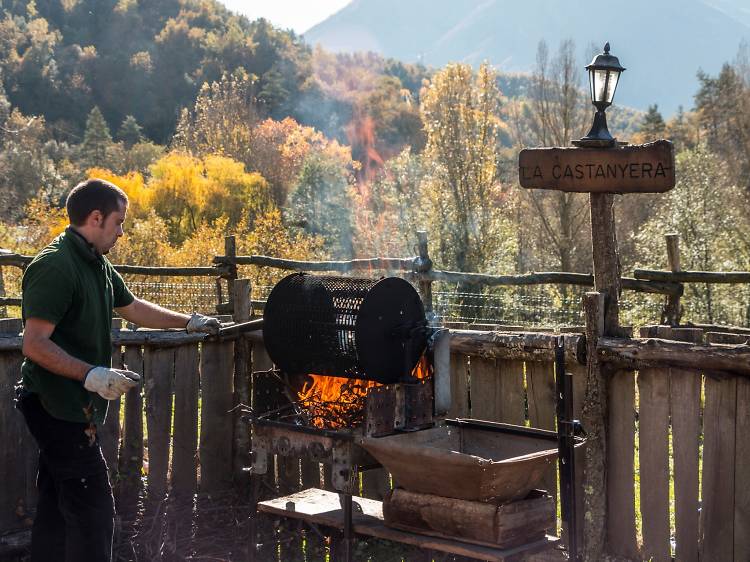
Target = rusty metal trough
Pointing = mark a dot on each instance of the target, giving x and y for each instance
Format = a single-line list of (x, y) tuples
[(467, 459)]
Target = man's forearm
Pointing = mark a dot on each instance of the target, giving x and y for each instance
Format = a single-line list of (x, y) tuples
[(150, 315), (45, 353)]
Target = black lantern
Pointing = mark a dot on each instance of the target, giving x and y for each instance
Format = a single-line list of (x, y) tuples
[(604, 73)]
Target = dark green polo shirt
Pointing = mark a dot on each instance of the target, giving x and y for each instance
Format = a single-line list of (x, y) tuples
[(72, 286)]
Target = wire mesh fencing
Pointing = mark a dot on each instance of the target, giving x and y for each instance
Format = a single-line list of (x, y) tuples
[(182, 295)]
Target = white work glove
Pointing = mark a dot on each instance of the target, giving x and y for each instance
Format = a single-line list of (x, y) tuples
[(110, 383), (205, 324)]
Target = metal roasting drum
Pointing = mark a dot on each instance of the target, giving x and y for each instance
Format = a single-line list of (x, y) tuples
[(345, 327)]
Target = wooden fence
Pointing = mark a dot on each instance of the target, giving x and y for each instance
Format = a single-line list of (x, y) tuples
[(657, 417), (677, 470)]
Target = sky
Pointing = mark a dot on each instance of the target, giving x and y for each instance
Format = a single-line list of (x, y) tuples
[(299, 15)]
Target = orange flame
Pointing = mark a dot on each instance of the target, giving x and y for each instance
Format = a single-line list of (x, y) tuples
[(342, 396)]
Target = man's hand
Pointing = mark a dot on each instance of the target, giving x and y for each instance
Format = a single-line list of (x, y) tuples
[(205, 324), (110, 383)]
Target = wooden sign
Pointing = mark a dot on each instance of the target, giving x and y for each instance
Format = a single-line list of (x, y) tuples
[(647, 168)]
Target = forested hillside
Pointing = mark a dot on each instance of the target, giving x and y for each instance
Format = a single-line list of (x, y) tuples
[(216, 124), (663, 44)]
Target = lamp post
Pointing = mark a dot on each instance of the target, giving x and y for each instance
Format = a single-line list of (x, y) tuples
[(604, 74)]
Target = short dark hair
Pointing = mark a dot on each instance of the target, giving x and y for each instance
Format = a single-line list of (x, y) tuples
[(93, 195)]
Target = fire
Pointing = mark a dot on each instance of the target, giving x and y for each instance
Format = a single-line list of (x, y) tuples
[(333, 402)]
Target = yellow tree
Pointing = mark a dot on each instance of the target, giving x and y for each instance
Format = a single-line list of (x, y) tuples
[(460, 109)]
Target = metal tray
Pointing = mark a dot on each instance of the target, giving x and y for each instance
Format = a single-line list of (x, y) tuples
[(468, 459)]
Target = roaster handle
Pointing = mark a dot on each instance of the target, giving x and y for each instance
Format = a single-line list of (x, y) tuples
[(241, 328)]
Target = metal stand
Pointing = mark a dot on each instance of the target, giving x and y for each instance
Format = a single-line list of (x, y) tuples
[(255, 482), (566, 428), (346, 503)]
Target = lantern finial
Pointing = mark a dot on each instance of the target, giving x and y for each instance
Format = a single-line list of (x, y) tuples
[(606, 48)]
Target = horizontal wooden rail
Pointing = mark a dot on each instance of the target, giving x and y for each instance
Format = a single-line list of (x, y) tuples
[(529, 346), (19, 260), (655, 352), (693, 276), (548, 277), (403, 264), (142, 337), (416, 267)]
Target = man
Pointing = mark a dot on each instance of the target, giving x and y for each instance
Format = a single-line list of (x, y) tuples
[(69, 292)]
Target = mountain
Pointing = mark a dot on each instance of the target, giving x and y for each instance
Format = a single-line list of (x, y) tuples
[(662, 43)]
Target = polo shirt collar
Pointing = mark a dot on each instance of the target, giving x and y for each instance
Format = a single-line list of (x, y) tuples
[(83, 246)]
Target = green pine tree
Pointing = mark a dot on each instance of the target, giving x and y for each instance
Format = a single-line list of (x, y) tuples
[(130, 132), (96, 140), (653, 124)]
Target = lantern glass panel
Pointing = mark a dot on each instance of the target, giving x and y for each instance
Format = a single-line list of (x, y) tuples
[(599, 86), (614, 76)]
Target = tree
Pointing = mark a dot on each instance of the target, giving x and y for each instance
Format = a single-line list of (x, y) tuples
[(558, 111), (704, 209), (278, 150), (187, 192), (320, 205), (96, 140), (130, 132), (652, 126), (724, 111), (389, 211), (460, 110), (222, 120)]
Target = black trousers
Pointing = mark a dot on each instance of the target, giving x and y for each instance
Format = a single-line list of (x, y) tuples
[(75, 512)]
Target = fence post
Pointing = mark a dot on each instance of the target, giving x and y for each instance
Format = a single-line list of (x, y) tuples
[(671, 314), (230, 253), (594, 422), (606, 259), (240, 299), (424, 265)]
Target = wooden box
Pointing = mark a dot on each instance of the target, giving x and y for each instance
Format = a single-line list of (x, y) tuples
[(504, 525)]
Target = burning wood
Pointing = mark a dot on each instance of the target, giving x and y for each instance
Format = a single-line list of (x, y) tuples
[(336, 402)]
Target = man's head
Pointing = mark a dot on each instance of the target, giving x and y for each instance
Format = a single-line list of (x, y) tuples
[(97, 209)]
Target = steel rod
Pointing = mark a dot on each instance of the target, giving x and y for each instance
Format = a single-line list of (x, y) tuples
[(566, 448)]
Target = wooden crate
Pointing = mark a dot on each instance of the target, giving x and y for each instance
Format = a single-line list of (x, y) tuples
[(505, 525)]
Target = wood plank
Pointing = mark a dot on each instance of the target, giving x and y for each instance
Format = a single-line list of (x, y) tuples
[(621, 533), (216, 367), (685, 404), (16, 484), (131, 451), (742, 473), (718, 489), (653, 454), (512, 393), (486, 389), (185, 440), (109, 432), (159, 368), (645, 168), (540, 389), (240, 298), (504, 526), (323, 508), (459, 387)]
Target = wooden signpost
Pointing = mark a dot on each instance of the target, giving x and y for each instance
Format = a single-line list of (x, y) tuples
[(647, 168), (602, 172)]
